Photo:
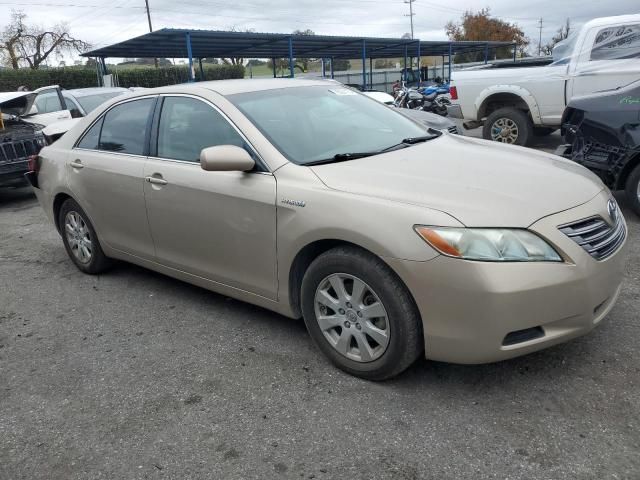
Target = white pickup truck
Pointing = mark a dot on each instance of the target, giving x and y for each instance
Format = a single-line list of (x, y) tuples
[(514, 104)]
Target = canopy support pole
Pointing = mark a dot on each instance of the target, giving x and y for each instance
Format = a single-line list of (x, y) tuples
[(419, 65), (332, 76), (364, 65), (486, 53), (190, 56), (371, 73), (515, 46), (273, 64), (291, 73), (443, 67), (201, 70), (450, 58), (404, 75), (324, 68)]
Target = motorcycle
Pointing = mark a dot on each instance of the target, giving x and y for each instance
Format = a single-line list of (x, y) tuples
[(413, 99)]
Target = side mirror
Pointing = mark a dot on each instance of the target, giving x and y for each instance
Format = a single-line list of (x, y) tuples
[(226, 158)]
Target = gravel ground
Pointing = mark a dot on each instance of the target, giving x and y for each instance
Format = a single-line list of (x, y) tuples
[(135, 375)]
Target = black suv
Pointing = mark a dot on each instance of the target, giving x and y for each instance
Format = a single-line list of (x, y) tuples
[(19, 140), (602, 132)]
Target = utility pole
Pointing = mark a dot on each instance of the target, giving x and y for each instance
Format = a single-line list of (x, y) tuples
[(540, 37), (411, 14), (146, 2)]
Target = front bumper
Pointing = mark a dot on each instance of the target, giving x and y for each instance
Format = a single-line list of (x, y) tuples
[(468, 308)]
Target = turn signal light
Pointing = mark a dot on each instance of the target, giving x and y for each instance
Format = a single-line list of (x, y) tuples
[(453, 91)]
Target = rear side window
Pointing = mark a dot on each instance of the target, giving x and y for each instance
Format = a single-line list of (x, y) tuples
[(91, 139), (48, 101), (188, 125), (125, 126), (617, 43)]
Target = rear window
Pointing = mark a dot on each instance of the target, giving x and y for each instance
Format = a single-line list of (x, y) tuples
[(91, 102), (617, 43)]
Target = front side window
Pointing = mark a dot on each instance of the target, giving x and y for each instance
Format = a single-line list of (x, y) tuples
[(617, 43), (125, 127), (188, 125), (309, 124)]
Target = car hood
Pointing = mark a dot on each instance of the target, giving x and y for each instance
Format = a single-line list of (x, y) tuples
[(480, 183), (427, 118), (16, 103)]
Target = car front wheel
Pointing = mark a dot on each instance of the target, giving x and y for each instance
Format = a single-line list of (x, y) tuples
[(360, 314)]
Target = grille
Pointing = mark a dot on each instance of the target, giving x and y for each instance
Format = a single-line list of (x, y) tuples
[(453, 129), (18, 150), (596, 236)]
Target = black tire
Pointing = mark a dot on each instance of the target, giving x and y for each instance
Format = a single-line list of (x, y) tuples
[(405, 340), (518, 117), (543, 131), (632, 190), (98, 261)]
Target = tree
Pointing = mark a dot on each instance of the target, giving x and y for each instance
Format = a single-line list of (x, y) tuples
[(561, 34), (24, 45), (303, 63), (480, 26)]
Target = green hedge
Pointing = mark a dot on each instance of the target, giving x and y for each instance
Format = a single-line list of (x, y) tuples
[(79, 77)]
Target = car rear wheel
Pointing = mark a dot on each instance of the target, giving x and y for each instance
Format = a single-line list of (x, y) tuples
[(360, 314), (633, 190), (80, 239), (508, 125)]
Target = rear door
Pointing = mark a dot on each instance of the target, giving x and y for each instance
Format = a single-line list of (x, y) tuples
[(105, 171), (216, 225), (608, 59)]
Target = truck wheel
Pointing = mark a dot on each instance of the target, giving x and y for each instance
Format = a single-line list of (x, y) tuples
[(633, 190), (543, 131), (508, 125)]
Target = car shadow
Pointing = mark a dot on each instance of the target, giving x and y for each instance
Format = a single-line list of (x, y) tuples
[(16, 196)]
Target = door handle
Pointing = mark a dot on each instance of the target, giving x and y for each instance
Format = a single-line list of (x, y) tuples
[(77, 163), (156, 180)]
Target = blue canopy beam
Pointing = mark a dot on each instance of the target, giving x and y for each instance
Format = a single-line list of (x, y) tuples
[(189, 56)]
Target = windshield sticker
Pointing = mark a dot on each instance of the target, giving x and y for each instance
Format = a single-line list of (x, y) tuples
[(343, 91)]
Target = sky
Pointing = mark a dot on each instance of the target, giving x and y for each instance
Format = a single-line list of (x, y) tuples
[(103, 22)]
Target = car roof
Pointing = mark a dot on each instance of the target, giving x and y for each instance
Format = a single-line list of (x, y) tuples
[(230, 87), (85, 92), (612, 21)]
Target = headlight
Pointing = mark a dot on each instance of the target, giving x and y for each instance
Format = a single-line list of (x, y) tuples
[(489, 244)]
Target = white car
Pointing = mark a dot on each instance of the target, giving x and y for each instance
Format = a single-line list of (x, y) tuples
[(514, 104), (52, 104)]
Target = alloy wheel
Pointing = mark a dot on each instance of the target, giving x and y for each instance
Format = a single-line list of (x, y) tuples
[(351, 317), (78, 237), (504, 130)]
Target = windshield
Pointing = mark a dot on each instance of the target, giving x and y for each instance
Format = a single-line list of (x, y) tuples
[(91, 102), (562, 50), (308, 124)]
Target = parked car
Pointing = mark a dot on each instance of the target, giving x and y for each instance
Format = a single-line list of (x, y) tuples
[(602, 132), (392, 241), (514, 104), (52, 104), (428, 119), (18, 140)]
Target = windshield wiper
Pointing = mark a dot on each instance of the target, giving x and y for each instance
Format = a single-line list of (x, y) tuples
[(412, 141), (342, 157)]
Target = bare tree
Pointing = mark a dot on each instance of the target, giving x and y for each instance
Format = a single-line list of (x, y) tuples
[(561, 34), (24, 45)]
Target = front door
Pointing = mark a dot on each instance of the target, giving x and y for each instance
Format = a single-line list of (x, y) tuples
[(105, 172), (216, 225)]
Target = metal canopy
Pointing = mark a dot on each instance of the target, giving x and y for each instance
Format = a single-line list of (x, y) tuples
[(170, 43)]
